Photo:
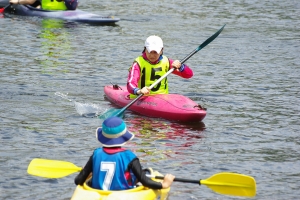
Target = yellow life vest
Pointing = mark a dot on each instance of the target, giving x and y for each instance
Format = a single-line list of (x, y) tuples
[(152, 72), (53, 5)]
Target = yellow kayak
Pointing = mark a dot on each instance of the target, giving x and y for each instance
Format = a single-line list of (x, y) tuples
[(140, 192), (226, 183)]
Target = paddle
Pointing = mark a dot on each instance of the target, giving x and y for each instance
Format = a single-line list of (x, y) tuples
[(223, 183), (119, 112), (3, 9), (51, 168)]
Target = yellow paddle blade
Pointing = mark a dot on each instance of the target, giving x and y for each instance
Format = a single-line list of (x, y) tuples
[(231, 184), (51, 168)]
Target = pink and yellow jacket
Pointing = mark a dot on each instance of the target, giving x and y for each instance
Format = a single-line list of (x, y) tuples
[(135, 73)]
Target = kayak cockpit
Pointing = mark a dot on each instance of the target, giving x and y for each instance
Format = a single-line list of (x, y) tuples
[(139, 192)]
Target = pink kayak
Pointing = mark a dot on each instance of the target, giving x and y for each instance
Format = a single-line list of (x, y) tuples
[(173, 107)]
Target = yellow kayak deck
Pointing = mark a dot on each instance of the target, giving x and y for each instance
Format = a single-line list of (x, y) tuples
[(85, 192)]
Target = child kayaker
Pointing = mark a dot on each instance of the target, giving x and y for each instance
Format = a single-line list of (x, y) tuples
[(150, 66), (114, 167), (49, 4)]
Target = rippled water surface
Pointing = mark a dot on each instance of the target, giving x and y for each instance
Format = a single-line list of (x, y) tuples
[(248, 79)]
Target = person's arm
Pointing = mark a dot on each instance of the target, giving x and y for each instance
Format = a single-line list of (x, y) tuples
[(84, 173), (136, 168), (71, 4), (181, 69), (133, 78), (26, 2)]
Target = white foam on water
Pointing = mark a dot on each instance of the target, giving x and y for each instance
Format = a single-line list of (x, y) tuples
[(83, 109), (62, 95), (88, 109)]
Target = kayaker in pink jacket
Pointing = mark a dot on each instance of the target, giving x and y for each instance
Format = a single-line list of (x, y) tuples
[(150, 66)]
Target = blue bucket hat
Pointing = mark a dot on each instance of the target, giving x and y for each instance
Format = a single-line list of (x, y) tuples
[(113, 133)]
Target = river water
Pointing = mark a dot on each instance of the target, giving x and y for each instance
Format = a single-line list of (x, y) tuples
[(53, 74)]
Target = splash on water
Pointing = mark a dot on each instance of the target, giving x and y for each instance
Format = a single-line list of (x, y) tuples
[(62, 95), (83, 109), (88, 109)]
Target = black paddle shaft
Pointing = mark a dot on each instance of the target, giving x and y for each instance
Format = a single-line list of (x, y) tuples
[(5, 8), (209, 40), (182, 180)]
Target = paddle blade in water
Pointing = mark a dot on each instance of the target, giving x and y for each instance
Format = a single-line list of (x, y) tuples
[(51, 168), (112, 113), (231, 184)]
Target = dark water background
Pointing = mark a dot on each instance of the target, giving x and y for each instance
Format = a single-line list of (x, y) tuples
[(248, 79)]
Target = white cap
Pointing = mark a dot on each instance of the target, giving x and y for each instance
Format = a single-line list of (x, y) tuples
[(154, 43)]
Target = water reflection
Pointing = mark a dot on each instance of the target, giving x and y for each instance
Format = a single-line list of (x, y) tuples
[(159, 139), (56, 46)]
